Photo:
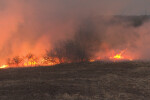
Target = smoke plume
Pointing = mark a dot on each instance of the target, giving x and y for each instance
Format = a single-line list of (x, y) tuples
[(76, 30)]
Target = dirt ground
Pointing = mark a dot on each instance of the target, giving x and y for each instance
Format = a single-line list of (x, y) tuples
[(78, 81)]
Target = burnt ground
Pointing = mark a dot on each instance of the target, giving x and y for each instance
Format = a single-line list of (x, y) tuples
[(78, 81)]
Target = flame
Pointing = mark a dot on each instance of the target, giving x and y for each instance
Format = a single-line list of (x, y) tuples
[(118, 56), (3, 66), (33, 61), (121, 56)]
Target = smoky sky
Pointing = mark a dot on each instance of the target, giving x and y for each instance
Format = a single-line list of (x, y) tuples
[(130, 7), (36, 25)]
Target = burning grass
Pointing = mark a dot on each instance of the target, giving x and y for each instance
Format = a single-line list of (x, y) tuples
[(31, 60), (119, 38)]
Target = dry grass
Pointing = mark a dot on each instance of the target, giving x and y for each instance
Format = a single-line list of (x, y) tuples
[(78, 81)]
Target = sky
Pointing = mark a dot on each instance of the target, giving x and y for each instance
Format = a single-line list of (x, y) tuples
[(129, 7), (102, 7)]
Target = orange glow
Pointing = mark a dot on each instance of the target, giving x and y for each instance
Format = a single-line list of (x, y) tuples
[(118, 56), (92, 60), (3, 66), (121, 56), (31, 60)]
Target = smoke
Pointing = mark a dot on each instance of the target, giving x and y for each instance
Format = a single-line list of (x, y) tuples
[(82, 46), (76, 30), (98, 37)]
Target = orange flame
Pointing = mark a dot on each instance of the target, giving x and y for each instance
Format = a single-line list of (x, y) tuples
[(32, 60), (118, 56), (3, 66), (121, 56)]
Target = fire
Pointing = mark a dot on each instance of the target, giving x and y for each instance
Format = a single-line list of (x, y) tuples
[(118, 56), (121, 56), (33, 61), (3, 66)]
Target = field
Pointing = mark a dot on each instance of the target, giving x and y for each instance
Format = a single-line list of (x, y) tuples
[(78, 81)]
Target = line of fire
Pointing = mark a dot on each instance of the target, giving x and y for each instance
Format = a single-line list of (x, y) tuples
[(31, 60)]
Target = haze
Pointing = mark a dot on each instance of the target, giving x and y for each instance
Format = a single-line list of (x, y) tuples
[(36, 25)]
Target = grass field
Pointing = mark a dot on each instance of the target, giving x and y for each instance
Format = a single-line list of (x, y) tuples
[(78, 81)]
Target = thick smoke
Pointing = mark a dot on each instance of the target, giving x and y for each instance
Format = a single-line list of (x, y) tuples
[(99, 35), (85, 28), (82, 46)]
